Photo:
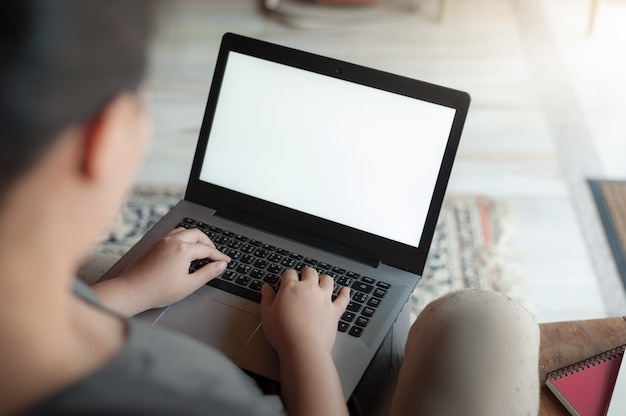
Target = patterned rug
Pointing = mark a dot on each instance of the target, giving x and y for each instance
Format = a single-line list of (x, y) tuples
[(468, 249)]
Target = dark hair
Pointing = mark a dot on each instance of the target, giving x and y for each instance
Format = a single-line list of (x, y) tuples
[(61, 61)]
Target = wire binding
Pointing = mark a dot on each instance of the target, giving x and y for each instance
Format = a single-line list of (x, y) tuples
[(597, 359)]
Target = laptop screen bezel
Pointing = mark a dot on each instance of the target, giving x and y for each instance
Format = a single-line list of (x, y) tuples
[(304, 227)]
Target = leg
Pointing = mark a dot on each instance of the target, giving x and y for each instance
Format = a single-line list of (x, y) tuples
[(374, 390), (470, 353)]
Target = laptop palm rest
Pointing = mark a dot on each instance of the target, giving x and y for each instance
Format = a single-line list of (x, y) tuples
[(224, 327)]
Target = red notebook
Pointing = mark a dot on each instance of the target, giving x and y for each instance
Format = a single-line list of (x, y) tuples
[(585, 387)]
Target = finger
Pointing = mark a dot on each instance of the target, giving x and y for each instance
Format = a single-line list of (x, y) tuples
[(327, 283), (310, 274), (267, 298), (175, 231), (194, 235), (208, 272), (342, 300), (195, 251), (289, 276)]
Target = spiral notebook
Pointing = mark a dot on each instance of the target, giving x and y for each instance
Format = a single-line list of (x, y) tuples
[(585, 388)]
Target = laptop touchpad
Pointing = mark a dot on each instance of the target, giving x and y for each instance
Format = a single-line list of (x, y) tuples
[(222, 326)]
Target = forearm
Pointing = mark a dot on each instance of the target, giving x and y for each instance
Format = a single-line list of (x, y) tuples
[(310, 384), (118, 296)]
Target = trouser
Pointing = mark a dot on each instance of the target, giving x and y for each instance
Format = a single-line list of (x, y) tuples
[(469, 353)]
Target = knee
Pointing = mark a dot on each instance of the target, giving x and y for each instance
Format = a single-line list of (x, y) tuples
[(485, 306), (466, 300)]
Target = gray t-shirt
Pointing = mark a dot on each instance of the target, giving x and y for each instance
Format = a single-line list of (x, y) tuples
[(161, 372)]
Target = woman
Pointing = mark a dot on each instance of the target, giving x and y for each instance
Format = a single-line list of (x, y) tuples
[(74, 127)]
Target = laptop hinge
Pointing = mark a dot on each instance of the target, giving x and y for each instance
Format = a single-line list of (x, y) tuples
[(300, 237)]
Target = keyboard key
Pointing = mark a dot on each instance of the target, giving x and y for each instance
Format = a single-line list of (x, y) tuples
[(275, 258), (275, 268), (356, 331), (261, 264), (247, 259), (379, 293), (363, 287), (255, 285), (229, 275), (368, 280), (343, 326), (257, 274), (362, 321), (220, 239), (244, 268), (234, 244), (271, 278), (373, 302), (368, 312), (359, 297), (243, 280), (248, 249), (344, 281), (288, 263), (353, 307), (383, 285), (233, 254), (348, 316)]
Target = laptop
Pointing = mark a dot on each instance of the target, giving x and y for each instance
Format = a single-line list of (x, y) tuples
[(304, 160)]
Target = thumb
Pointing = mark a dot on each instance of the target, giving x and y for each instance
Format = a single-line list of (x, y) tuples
[(343, 298), (267, 297)]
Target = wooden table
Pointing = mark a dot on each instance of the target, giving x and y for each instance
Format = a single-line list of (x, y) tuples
[(564, 343)]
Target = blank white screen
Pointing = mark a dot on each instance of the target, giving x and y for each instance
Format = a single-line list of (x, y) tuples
[(352, 154)]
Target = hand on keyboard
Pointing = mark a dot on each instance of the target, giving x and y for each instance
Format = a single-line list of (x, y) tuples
[(302, 315), (161, 276), (255, 263)]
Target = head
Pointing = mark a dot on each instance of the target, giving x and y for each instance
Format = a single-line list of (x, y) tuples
[(70, 75), (61, 63)]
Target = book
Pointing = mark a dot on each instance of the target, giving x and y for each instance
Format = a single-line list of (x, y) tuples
[(585, 388), (617, 406)]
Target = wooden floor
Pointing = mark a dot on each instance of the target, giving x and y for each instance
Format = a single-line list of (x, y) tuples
[(547, 111)]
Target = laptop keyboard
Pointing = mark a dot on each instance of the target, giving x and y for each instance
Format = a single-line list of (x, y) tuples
[(255, 263)]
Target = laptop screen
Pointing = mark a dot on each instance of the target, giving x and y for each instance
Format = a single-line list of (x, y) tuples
[(352, 154)]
